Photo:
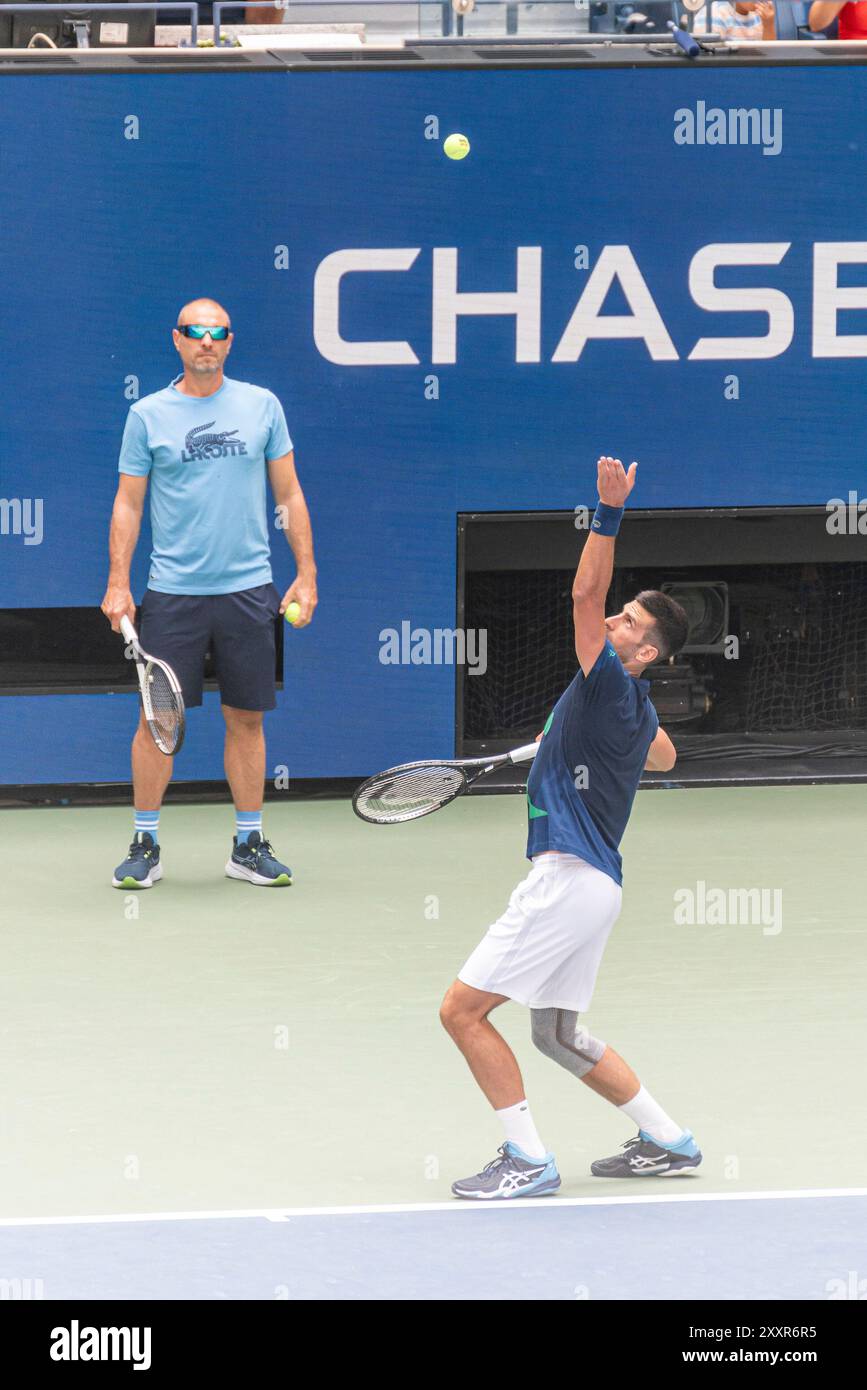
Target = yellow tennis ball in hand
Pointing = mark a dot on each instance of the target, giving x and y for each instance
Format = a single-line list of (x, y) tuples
[(293, 613), (456, 146)]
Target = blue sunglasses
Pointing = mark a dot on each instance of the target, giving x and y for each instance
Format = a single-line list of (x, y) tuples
[(198, 330)]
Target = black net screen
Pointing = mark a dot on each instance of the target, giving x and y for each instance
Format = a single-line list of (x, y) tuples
[(800, 663), (809, 650), (530, 651)]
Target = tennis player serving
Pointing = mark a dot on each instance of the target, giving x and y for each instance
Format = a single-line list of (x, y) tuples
[(545, 951), (206, 443)]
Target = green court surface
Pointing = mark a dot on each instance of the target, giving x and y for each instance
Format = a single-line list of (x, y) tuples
[(207, 1045)]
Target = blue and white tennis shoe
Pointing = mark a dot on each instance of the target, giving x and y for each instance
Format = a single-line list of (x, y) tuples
[(142, 867), (641, 1157), (256, 862), (510, 1174)]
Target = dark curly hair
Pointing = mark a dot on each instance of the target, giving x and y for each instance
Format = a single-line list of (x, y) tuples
[(670, 627)]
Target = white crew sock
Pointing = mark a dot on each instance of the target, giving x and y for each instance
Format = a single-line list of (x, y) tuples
[(519, 1129), (644, 1111)]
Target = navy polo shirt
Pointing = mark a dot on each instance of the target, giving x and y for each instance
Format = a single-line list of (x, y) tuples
[(586, 773)]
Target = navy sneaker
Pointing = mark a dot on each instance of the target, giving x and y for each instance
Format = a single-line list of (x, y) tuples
[(511, 1174), (142, 867), (255, 862), (643, 1158)]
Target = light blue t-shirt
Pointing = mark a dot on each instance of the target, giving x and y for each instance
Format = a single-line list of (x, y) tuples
[(206, 458)]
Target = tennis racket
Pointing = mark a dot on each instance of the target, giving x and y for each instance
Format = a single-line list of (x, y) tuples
[(416, 789), (161, 696)]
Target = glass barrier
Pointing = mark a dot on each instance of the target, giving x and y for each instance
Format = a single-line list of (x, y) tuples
[(505, 18)]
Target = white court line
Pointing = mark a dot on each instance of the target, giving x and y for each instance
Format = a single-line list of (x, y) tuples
[(455, 1205)]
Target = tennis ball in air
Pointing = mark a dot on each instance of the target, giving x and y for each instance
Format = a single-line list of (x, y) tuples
[(456, 146), (293, 613)]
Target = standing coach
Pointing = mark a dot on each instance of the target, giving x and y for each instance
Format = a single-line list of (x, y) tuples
[(205, 442)]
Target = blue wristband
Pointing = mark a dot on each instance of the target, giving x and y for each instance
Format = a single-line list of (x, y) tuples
[(606, 520)]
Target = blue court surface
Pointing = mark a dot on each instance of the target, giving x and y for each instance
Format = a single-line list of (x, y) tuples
[(750, 1246)]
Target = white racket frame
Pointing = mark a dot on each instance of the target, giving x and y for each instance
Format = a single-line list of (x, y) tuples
[(143, 661)]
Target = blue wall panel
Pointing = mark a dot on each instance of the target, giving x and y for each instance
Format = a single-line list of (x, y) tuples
[(104, 237)]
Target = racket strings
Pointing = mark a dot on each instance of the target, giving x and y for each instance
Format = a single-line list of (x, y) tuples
[(164, 709), (398, 796)]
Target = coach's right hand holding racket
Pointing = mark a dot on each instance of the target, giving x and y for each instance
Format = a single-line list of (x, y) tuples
[(118, 603)]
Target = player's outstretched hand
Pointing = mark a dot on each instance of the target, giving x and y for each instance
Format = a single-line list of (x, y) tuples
[(613, 481)]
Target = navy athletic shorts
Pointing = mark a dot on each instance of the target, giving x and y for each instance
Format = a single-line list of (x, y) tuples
[(238, 628)]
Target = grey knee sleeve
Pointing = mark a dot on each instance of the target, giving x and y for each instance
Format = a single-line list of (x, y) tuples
[(558, 1034)]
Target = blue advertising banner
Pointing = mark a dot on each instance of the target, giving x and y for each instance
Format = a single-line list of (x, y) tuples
[(666, 265)]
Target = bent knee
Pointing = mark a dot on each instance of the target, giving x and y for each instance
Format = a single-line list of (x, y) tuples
[(462, 1008), (543, 1030), (450, 1010), (558, 1035)]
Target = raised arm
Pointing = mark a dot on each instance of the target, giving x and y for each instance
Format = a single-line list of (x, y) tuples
[(295, 521), (821, 15), (122, 539), (768, 15), (596, 566)]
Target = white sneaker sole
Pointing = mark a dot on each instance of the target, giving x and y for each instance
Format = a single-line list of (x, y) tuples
[(234, 870), (499, 1197), (153, 877)]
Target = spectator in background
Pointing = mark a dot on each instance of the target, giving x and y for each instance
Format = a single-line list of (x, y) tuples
[(239, 14), (852, 19), (264, 14), (738, 21)]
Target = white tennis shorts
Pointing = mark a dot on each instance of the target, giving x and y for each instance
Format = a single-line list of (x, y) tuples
[(546, 948)]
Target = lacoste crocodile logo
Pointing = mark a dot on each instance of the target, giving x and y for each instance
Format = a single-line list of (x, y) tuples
[(200, 445)]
